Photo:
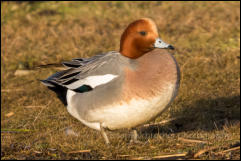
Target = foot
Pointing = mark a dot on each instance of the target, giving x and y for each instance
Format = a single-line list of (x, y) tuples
[(134, 137), (135, 142)]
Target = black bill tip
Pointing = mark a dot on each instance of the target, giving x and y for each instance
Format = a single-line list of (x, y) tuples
[(170, 47)]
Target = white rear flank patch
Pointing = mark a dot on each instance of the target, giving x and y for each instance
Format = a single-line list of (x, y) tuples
[(72, 110), (92, 81)]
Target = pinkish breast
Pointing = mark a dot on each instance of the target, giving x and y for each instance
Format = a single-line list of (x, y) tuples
[(155, 70)]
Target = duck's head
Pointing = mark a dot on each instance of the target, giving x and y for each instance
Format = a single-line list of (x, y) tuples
[(140, 37)]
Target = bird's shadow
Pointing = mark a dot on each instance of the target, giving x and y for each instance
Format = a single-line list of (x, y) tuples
[(204, 114)]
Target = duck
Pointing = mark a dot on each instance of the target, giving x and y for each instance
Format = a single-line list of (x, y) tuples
[(120, 89)]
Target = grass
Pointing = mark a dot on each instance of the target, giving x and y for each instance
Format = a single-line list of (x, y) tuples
[(206, 36)]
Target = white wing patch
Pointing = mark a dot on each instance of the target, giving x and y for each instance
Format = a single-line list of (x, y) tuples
[(92, 81)]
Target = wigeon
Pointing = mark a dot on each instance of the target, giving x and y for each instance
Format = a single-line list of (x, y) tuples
[(122, 89)]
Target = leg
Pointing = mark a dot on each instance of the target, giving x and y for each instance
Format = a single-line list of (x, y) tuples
[(134, 136), (102, 131)]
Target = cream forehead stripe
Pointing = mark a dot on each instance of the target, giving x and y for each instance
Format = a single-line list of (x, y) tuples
[(152, 24)]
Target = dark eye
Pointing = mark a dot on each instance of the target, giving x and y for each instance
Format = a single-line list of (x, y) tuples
[(143, 33)]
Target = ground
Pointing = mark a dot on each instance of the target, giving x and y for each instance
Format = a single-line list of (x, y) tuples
[(203, 122)]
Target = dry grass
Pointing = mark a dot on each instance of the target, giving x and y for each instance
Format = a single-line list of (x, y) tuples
[(207, 38)]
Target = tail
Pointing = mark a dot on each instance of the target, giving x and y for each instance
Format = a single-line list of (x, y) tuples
[(59, 90)]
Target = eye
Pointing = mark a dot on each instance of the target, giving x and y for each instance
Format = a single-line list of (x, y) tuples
[(143, 33)]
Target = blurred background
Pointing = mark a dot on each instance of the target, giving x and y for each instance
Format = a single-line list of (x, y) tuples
[(204, 120)]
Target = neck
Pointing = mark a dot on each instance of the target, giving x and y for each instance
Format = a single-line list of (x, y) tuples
[(131, 51)]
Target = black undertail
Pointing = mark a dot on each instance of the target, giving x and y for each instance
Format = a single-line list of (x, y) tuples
[(59, 90)]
